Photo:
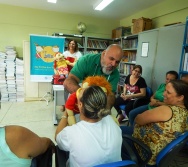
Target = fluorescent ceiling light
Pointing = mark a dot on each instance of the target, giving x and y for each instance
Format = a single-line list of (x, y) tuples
[(52, 1), (103, 4)]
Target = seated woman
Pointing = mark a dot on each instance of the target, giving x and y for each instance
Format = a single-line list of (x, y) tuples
[(18, 145), (159, 126), (96, 139), (155, 100), (135, 86)]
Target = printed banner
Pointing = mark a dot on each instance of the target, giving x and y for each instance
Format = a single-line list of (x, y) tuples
[(42, 52)]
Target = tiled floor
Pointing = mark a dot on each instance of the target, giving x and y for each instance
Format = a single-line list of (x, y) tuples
[(37, 116)]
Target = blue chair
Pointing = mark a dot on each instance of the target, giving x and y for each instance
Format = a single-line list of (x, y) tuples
[(126, 163), (139, 101), (166, 155), (129, 150)]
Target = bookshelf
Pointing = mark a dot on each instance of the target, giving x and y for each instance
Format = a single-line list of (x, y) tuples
[(184, 55), (97, 45), (78, 38), (87, 44), (129, 45)]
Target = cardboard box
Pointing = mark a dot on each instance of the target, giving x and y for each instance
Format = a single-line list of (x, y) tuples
[(141, 24), (121, 31)]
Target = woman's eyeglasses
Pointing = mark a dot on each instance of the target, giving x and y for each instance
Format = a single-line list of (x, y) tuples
[(137, 71)]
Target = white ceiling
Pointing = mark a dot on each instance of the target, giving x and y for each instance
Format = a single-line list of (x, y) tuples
[(118, 9)]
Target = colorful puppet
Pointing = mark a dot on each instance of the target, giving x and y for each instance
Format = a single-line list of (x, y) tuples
[(61, 66), (71, 103)]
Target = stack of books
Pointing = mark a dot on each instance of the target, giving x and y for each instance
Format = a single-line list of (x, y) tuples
[(3, 83), (19, 80), (10, 72), (11, 76)]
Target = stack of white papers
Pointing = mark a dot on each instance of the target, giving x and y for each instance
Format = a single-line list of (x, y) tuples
[(10, 72), (11, 76), (10, 53), (3, 83), (20, 80)]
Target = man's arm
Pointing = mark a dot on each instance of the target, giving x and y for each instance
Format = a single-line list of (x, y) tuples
[(71, 83)]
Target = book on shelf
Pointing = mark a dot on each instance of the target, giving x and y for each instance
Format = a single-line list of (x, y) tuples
[(121, 68), (128, 68), (79, 45), (130, 43), (93, 44), (89, 44), (124, 58), (134, 43), (97, 44), (129, 57), (101, 44), (92, 52), (105, 44)]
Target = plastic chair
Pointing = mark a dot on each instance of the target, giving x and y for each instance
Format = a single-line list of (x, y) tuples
[(165, 156), (139, 101), (129, 150), (168, 153)]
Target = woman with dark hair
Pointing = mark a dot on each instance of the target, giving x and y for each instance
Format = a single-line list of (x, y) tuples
[(96, 139), (156, 99), (135, 86), (159, 126), (72, 54)]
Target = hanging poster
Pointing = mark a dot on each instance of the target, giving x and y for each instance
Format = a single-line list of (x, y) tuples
[(145, 47), (42, 52)]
